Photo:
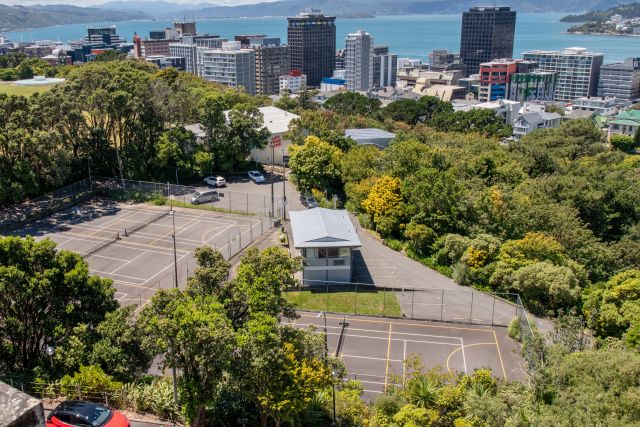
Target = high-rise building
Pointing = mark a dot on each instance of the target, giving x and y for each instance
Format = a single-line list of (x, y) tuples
[(231, 66), (495, 77), (578, 70), (340, 60), (312, 44), (620, 80), (443, 60), (385, 67), (533, 86), (185, 27), (272, 61), (103, 35), (186, 51), (245, 39), (487, 34), (359, 61)]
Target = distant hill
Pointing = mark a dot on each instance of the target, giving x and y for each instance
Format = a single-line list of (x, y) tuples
[(626, 11), (18, 17), (341, 8)]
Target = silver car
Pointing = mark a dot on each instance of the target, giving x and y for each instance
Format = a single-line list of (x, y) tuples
[(256, 177), (204, 196)]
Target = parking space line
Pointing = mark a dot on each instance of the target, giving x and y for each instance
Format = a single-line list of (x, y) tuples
[(386, 374)]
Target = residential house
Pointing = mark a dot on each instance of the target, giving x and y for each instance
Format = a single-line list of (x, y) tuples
[(531, 121)]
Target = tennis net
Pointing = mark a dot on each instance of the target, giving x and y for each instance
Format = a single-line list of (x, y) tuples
[(102, 245), (149, 221)]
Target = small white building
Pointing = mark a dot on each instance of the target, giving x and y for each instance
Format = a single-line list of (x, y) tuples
[(293, 82), (531, 121), (277, 121), (325, 238), (370, 136)]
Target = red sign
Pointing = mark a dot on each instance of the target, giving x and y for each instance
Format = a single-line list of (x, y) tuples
[(276, 141)]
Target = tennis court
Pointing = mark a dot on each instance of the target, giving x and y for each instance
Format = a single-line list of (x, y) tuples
[(374, 349), (133, 244)]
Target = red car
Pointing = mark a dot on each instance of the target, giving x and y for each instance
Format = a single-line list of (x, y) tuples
[(76, 413)]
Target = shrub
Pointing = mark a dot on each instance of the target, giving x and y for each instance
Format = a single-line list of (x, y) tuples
[(394, 244), (159, 200), (514, 329), (90, 382), (155, 397), (623, 143)]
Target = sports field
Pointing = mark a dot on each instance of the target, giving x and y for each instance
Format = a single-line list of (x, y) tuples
[(11, 89)]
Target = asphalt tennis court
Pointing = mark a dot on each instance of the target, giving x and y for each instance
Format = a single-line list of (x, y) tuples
[(133, 244), (373, 349)]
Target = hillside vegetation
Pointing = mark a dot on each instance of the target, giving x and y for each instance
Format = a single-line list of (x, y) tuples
[(627, 11)]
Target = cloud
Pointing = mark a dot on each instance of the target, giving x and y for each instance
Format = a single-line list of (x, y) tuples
[(98, 2)]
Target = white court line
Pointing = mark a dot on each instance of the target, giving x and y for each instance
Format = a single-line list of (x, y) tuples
[(116, 245), (218, 233), (404, 362), (390, 339), (382, 332), (119, 298), (143, 234), (381, 359), (109, 257), (129, 262), (464, 359), (119, 275)]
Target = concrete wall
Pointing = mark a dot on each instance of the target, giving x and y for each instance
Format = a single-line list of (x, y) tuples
[(18, 409)]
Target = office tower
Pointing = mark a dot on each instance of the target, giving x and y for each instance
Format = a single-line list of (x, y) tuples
[(312, 45), (103, 35), (620, 80), (231, 66), (385, 67), (487, 34), (245, 39), (185, 27), (186, 51), (157, 34), (495, 77), (578, 70), (359, 61), (272, 61), (533, 86)]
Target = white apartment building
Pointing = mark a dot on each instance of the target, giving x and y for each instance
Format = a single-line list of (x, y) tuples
[(186, 51), (231, 66), (359, 61), (293, 82), (578, 70)]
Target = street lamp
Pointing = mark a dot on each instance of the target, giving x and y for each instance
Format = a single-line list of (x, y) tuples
[(50, 350), (326, 364), (175, 283)]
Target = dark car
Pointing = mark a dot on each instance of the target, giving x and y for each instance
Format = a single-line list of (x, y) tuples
[(308, 201), (77, 413)]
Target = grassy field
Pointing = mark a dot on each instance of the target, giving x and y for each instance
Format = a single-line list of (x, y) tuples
[(376, 303), (11, 89)]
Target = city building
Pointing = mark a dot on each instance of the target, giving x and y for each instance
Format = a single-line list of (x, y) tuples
[(531, 121), (311, 37), (385, 67), (495, 77), (272, 61), (185, 27), (487, 34), (601, 106), (245, 39), (325, 238), (340, 60), (231, 66), (424, 79), (443, 60), (625, 123), (370, 136), (152, 47), (293, 82), (533, 86), (103, 35), (620, 80), (332, 84), (359, 60), (578, 70), (277, 122), (163, 62), (186, 51), (508, 110)]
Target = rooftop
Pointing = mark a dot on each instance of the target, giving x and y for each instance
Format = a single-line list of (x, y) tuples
[(320, 227)]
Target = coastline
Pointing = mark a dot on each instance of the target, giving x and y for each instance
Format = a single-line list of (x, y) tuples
[(584, 33)]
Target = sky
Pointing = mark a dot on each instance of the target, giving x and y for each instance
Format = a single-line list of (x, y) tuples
[(97, 2)]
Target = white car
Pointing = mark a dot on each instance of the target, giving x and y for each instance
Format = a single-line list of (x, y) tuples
[(215, 181), (256, 177)]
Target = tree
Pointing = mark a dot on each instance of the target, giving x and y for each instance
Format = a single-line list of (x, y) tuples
[(384, 204), (316, 164), (44, 294), (111, 55), (481, 120), (623, 143), (246, 132), (195, 336), (545, 286), (348, 103), (360, 162)]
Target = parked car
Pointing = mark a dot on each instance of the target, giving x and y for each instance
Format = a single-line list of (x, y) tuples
[(77, 413), (309, 201), (204, 196), (256, 177), (215, 181)]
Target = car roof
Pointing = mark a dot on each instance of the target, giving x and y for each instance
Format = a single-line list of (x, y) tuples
[(79, 407)]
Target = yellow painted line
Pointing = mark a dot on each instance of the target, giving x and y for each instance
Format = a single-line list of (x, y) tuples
[(386, 372), (495, 337), (464, 346), (108, 223), (356, 319), (191, 222), (124, 244)]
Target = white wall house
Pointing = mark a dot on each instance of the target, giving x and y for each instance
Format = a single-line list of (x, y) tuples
[(325, 238)]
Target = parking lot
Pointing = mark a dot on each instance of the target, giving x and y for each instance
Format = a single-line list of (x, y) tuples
[(374, 349), (133, 244)]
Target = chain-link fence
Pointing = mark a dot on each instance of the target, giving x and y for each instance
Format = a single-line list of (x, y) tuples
[(183, 195), (446, 305), (14, 216)]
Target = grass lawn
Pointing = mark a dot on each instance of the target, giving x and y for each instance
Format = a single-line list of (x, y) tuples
[(377, 303), (11, 89)]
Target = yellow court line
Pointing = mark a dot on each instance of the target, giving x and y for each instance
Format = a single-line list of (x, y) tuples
[(386, 372), (191, 222), (495, 337), (108, 223), (462, 347), (124, 244), (357, 319)]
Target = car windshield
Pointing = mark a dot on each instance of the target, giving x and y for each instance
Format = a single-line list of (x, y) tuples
[(96, 415), (196, 194)]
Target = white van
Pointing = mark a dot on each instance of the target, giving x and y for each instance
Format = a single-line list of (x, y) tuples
[(204, 196)]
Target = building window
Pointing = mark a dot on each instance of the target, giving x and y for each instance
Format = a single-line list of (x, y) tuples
[(328, 252)]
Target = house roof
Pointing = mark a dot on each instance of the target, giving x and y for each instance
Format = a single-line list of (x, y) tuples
[(276, 119), (323, 228), (368, 133)]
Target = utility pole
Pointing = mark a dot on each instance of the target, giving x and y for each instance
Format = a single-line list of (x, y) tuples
[(272, 199), (284, 190), (175, 269)]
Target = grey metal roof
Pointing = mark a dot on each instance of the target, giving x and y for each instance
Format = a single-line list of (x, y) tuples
[(369, 133), (323, 228)]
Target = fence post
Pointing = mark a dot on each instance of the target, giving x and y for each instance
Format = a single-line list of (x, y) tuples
[(413, 291), (327, 295), (240, 236), (251, 230), (247, 203), (229, 246), (493, 309), (441, 304), (229, 201), (471, 309)]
